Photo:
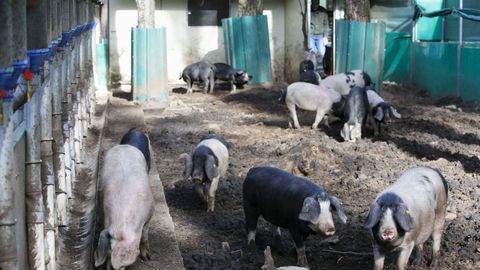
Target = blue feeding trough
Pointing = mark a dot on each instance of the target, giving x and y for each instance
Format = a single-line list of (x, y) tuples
[(52, 47), (36, 59), (19, 67), (5, 74), (66, 36)]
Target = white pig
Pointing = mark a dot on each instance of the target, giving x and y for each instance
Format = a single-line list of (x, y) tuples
[(128, 207), (309, 97), (406, 214), (344, 82)]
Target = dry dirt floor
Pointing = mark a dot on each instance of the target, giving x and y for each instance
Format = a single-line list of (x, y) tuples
[(441, 133)]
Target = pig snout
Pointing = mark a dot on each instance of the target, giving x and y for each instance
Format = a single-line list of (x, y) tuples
[(388, 234), (330, 231)]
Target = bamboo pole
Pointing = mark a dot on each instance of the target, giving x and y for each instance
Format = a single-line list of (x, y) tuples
[(33, 189), (48, 177), (8, 220)]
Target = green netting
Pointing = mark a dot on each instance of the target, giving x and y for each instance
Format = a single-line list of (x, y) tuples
[(435, 67)]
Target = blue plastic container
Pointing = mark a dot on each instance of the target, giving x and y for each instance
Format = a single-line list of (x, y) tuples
[(5, 79), (19, 67), (37, 57), (66, 36), (52, 47)]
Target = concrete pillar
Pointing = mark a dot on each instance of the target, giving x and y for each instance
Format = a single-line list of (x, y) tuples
[(6, 44), (37, 25), (73, 13), (19, 11), (65, 11)]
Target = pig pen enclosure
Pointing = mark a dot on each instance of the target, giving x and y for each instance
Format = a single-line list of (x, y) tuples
[(441, 133)]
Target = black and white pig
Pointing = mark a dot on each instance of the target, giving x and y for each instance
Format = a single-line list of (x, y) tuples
[(380, 110), (290, 202), (127, 203), (355, 115), (406, 214), (235, 77), (344, 82), (309, 97), (205, 166), (202, 71)]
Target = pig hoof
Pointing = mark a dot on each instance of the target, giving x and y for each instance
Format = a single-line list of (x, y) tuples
[(434, 264), (145, 256), (302, 262)]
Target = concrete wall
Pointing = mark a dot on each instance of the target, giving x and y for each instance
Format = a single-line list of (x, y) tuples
[(185, 44)]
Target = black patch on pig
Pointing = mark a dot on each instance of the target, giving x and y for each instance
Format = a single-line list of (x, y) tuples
[(350, 73), (367, 79), (139, 140)]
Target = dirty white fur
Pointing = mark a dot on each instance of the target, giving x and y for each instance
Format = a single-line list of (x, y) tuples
[(127, 203), (309, 97), (221, 152), (423, 192), (373, 98), (342, 82)]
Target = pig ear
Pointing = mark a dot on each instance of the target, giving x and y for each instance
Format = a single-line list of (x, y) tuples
[(310, 210), (338, 208), (239, 72), (103, 248), (403, 218), (378, 115), (188, 165), (395, 113), (374, 215), (210, 168)]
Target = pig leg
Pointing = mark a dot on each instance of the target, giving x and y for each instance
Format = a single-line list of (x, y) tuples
[(144, 246), (189, 84), (251, 219), (299, 240), (404, 255), (277, 238), (418, 255), (318, 117), (373, 123), (233, 88), (437, 237), (379, 258), (199, 190), (293, 115), (211, 194), (205, 84), (211, 81)]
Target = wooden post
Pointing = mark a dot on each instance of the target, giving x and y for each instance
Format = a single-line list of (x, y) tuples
[(6, 45)]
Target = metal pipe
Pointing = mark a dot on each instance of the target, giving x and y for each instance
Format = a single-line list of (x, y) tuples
[(459, 52), (8, 220), (33, 186)]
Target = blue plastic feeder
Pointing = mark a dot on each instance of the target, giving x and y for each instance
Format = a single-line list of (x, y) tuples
[(5, 74), (52, 47), (36, 59), (19, 67), (66, 36)]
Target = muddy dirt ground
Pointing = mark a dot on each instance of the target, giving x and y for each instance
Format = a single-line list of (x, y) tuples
[(441, 133)]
